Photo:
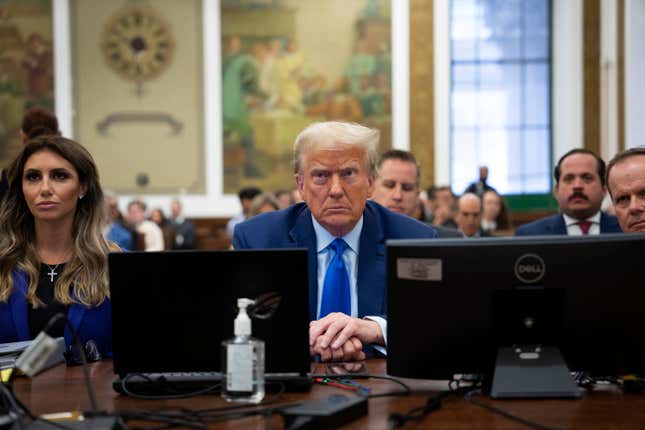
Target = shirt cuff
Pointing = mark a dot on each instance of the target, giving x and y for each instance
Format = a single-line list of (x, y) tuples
[(382, 322)]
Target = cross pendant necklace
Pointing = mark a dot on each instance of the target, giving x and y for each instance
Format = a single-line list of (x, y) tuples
[(52, 272)]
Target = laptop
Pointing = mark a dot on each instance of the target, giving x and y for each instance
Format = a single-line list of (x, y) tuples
[(171, 310)]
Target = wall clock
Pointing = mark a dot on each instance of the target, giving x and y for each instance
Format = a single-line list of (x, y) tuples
[(137, 43)]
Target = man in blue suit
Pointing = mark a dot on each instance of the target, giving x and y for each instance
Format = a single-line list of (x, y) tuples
[(344, 233), (579, 190)]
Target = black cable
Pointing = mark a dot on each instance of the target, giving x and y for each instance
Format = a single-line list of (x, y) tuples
[(10, 402), (506, 414), (433, 403)]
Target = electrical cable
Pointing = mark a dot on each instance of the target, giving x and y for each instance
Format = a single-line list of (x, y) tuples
[(406, 388)]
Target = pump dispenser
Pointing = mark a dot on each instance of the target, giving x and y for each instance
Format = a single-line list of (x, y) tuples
[(243, 358)]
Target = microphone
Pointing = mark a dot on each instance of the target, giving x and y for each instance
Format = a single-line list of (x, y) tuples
[(32, 360)]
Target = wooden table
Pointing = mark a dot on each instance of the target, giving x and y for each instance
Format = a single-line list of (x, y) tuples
[(62, 389)]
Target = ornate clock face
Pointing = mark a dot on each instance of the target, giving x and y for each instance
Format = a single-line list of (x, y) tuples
[(137, 43)]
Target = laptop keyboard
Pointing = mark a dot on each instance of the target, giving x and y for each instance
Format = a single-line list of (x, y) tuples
[(175, 377), (197, 381)]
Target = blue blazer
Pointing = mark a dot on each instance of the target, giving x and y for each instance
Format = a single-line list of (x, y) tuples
[(90, 323), (555, 225), (293, 228)]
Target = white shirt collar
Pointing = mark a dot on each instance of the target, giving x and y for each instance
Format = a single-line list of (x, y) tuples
[(324, 238), (595, 219)]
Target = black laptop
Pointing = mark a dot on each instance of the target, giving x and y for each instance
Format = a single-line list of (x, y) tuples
[(172, 310)]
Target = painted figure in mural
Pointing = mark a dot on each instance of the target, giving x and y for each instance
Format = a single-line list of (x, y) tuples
[(239, 89), (38, 63), (289, 68)]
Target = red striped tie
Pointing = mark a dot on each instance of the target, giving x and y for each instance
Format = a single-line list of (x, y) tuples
[(585, 225)]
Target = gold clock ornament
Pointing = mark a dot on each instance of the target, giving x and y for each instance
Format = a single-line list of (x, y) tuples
[(137, 43)]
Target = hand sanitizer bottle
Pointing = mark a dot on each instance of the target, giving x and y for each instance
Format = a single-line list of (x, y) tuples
[(243, 361)]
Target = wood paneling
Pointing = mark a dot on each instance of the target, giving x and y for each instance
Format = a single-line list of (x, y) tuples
[(211, 233), (591, 74), (422, 87)]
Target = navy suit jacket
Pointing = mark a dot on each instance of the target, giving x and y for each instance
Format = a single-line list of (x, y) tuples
[(555, 225), (89, 323), (293, 228)]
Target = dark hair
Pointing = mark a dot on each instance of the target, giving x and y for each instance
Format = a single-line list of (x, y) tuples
[(139, 203), (601, 164), (87, 269), (248, 193), (503, 220), (38, 121), (398, 154), (431, 192), (631, 152), (443, 188)]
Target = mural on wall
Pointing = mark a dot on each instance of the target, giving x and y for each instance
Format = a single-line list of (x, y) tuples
[(288, 63), (26, 67)]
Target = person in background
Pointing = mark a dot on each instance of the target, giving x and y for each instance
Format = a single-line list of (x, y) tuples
[(494, 213), (36, 122), (579, 190), (397, 182), (295, 195), (397, 187), (185, 231), (115, 229), (443, 203), (52, 251), (285, 198), (152, 234), (263, 203), (626, 181), (344, 233), (480, 186), (157, 216), (246, 196), (469, 215)]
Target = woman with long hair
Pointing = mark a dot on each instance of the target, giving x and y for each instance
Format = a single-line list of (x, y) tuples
[(53, 256)]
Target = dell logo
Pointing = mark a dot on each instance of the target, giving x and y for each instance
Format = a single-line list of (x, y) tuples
[(530, 268)]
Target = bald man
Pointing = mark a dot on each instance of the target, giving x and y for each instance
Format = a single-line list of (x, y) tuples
[(626, 183), (469, 215)]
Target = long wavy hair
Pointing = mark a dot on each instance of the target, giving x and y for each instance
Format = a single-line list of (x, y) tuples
[(86, 270)]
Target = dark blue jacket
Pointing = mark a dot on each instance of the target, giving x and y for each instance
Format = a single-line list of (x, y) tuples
[(90, 323), (555, 225), (293, 228)]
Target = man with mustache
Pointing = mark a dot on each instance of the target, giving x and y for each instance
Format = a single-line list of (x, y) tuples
[(345, 234), (579, 190), (626, 181)]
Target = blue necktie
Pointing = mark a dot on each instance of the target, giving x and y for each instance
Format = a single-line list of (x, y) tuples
[(336, 295)]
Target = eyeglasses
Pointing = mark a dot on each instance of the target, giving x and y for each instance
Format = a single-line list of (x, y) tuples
[(73, 355)]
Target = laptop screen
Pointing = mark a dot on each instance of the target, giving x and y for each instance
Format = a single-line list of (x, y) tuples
[(172, 310)]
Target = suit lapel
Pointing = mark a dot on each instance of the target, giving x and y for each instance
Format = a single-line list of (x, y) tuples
[(559, 226), (371, 257), (304, 236)]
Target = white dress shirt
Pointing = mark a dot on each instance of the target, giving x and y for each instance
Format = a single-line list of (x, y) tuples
[(350, 257), (573, 229)]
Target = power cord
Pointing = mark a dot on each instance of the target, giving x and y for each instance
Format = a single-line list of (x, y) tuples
[(433, 403)]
